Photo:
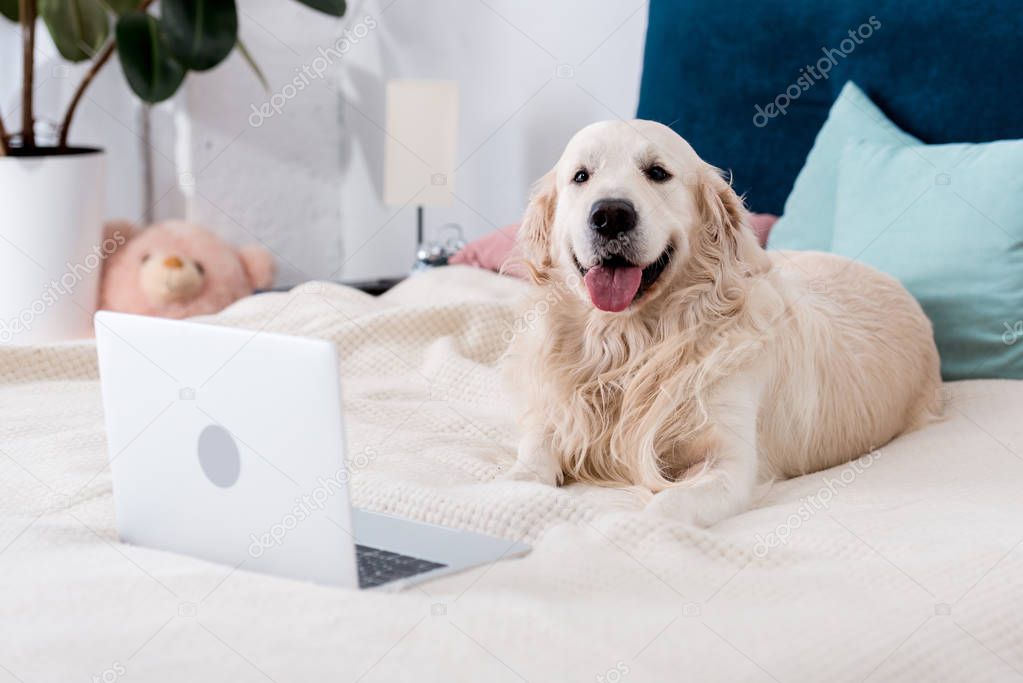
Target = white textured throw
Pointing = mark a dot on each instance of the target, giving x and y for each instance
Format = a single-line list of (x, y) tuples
[(906, 565)]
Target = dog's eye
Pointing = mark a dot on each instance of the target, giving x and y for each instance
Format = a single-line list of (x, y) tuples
[(198, 266), (657, 174), (145, 257), (581, 176)]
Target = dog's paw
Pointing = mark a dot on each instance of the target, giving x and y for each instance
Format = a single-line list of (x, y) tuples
[(521, 472)]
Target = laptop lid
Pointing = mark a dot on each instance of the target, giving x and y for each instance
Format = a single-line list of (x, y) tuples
[(228, 445)]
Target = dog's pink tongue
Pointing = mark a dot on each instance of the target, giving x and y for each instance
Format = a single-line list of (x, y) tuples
[(611, 288)]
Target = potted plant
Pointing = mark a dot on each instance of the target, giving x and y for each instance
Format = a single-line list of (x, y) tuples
[(51, 192)]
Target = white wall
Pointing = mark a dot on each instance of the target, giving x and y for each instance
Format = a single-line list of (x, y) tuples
[(307, 183)]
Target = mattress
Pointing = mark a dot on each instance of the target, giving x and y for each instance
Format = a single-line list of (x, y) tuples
[(903, 565)]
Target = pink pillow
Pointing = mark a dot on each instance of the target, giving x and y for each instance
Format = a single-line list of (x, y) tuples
[(493, 249), (489, 251), (762, 224)]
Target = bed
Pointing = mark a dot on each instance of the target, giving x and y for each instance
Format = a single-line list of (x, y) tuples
[(903, 565)]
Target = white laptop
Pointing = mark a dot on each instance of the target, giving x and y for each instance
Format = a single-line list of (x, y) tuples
[(228, 445)]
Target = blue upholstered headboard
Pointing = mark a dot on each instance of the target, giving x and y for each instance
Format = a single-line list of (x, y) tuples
[(943, 70)]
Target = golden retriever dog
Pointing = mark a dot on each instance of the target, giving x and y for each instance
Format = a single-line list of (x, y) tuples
[(672, 353)]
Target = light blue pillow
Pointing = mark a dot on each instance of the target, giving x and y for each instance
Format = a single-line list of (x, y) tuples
[(808, 219), (947, 221)]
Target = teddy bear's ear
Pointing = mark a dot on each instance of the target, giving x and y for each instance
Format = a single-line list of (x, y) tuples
[(259, 265), (119, 230)]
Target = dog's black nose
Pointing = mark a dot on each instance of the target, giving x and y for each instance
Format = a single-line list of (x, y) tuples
[(611, 217)]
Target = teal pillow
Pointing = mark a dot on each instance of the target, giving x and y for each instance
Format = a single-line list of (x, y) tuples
[(808, 219), (947, 221)]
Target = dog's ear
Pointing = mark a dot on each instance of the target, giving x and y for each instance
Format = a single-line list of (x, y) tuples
[(723, 213), (535, 233)]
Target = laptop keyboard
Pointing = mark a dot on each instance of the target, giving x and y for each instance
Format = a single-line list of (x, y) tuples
[(377, 567)]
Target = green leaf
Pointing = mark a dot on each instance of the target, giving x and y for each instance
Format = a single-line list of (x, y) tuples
[(78, 27), (201, 33), (150, 68), (121, 6), (9, 8), (332, 7), (250, 60)]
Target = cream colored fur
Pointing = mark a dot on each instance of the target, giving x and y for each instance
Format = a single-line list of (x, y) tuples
[(737, 366)]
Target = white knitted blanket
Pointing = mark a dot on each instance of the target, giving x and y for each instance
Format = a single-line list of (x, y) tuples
[(905, 565)]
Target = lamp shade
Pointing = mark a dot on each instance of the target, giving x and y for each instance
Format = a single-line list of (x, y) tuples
[(422, 136)]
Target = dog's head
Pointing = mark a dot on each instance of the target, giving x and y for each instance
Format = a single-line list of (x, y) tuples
[(630, 207)]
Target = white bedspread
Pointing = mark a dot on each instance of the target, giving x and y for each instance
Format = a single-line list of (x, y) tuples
[(904, 566)]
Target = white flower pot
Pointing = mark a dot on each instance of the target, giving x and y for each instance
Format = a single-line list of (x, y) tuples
[(51, 245)]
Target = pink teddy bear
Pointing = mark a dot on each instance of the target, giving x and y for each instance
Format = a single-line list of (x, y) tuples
[(176, 269)]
